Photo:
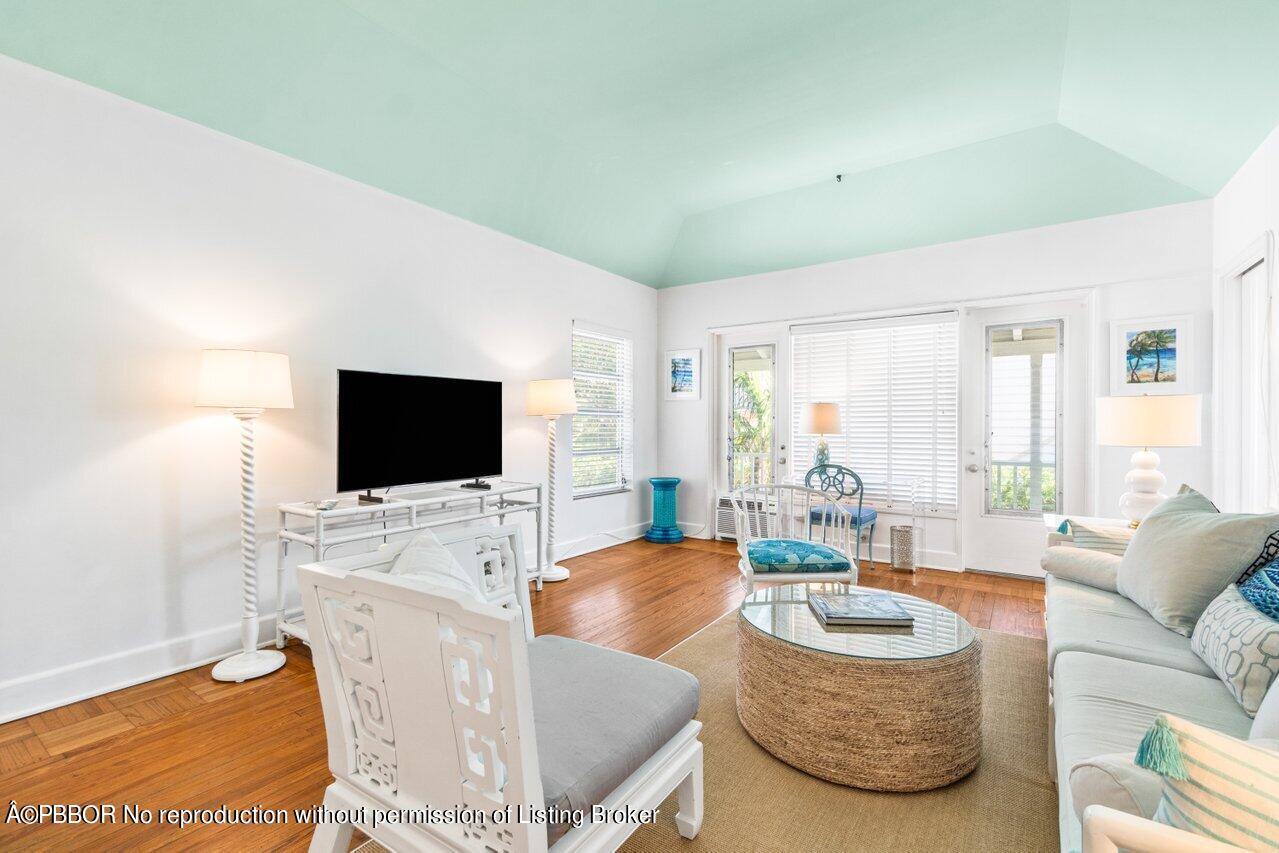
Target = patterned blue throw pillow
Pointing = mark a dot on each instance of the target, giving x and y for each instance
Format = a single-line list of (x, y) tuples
[(1262, 589), (794, 555)]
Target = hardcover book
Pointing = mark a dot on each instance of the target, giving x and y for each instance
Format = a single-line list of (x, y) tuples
[(859, 610)]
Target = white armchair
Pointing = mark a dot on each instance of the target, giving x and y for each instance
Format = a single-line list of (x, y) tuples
[(429, 699), (1108, 830), (793, 534)]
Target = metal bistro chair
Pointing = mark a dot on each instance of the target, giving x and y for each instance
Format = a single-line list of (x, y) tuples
[(841, 484), (777, 542)]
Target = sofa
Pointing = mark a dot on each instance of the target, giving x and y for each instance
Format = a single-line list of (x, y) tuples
[(1112, 669)]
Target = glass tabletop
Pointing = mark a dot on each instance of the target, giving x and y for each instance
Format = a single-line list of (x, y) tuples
[(783, 612)]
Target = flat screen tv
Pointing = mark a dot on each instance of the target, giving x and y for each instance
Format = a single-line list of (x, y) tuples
[(396, 430)]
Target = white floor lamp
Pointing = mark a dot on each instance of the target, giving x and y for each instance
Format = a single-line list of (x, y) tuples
[(246, 383), (551, 398)]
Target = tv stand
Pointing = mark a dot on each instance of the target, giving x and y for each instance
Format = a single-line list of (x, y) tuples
[(477, 483)]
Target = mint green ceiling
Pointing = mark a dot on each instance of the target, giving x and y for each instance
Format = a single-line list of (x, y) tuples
[(679, 141)]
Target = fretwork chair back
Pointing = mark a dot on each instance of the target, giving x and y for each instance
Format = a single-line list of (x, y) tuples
[(428, 703), (843, 485), (780, 542)]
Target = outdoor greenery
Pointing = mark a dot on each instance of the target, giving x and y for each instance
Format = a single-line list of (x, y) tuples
[(1010, 488), (752, 430)]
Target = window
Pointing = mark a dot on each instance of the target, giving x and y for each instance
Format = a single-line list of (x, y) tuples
[(1022, 410), (602, 427), (750, 425), (896, 382)]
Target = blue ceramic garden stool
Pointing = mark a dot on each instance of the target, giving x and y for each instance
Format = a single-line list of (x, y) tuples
[(664, 528)]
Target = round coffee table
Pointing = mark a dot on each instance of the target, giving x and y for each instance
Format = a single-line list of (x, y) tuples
[(882, 709)]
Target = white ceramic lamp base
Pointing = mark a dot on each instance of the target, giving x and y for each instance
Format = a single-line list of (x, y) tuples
[(1144, 483), (246, 665), (555, 573)]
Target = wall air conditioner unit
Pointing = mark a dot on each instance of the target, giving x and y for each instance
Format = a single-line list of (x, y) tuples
[(725, 525)]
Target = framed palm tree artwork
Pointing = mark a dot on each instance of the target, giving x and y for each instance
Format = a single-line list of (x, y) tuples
[(1151, 355)]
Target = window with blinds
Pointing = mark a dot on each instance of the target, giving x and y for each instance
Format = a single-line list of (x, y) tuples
[(602, 427), (896, 382)]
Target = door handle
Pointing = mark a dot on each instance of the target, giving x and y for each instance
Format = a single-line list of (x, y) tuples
[(972, 468)]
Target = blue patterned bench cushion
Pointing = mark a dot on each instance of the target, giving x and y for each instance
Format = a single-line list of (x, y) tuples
[(863, 516), (793, 555)]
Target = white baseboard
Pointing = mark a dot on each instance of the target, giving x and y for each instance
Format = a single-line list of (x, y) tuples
[(53, 688)]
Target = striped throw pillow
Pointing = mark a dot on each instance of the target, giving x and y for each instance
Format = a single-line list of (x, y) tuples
[(1214, 785), (1111, 540)]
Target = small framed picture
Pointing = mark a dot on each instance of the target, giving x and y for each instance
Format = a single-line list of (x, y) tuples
[(1151, 355), (683, 377)]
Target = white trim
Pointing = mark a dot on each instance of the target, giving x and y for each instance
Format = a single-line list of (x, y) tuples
[(53, 688), (1226, 483)]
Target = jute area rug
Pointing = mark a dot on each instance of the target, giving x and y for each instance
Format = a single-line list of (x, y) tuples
[(754, 802)]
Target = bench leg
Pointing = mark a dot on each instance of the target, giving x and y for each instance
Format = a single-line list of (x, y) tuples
[(689, 817)]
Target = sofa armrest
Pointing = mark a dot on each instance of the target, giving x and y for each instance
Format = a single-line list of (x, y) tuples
[(1107, 831), (1081, 565)]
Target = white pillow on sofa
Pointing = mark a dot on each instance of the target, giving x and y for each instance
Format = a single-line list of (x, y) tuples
[(1241, 644), (1266, 724), (1185, 553)]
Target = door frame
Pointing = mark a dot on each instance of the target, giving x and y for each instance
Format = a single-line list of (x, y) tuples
[(1077, 489)]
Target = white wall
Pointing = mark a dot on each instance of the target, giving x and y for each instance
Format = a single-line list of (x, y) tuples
[(1248, 205), (1146, 263), (129, 240)]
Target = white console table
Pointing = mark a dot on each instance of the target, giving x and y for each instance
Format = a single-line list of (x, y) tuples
[(351, 521)]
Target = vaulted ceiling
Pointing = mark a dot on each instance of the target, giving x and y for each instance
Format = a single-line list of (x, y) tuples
[(673, 141)]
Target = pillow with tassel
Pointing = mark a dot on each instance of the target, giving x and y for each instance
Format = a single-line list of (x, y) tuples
[(1214, 785)]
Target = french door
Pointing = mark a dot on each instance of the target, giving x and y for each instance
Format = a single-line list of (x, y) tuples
[(1025, 399), (752, 433)]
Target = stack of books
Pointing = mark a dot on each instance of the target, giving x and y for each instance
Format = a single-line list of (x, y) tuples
[(864, 611)]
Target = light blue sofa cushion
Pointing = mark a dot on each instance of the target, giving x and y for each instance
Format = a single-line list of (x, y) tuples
[(794, 555)]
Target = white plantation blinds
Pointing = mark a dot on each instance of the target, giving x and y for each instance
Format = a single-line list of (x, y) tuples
[(897, 385), (602, 427)]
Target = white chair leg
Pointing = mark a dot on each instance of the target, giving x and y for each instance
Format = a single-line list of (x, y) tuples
[(332, 837), (689, 817)]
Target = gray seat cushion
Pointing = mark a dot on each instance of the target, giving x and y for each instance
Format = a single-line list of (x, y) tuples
[(599, 714), (1082, 618), (1105, 704)]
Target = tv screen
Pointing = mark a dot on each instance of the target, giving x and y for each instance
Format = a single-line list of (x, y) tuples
[(395, 430)]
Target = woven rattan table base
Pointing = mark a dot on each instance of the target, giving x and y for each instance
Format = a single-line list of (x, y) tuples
[(886, 725)]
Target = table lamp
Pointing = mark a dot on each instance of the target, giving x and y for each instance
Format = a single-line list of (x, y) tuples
[(1171, 420), (246, 383), (821, 420), (551, 398)]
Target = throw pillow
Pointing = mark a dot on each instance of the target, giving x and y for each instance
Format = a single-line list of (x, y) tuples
[(1241, 644), (1092, 568), (426, 558), (1261, 590), (1269, 553), (1184, 554), (1213, 785), (1116, 781), (1111, 540)]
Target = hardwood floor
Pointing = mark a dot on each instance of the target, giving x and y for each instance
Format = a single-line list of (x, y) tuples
[(187, 741)]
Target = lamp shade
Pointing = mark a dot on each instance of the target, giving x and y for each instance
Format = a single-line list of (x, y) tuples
[(819, 419), (550, 398), (1170, 420), (244, 379)]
